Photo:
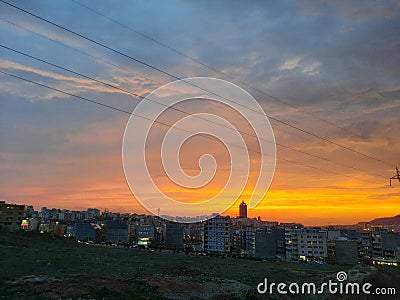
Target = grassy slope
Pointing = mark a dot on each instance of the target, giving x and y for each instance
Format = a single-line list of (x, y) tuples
[(72, 270)]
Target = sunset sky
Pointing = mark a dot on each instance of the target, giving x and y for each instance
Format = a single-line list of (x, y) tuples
[(332, 69)]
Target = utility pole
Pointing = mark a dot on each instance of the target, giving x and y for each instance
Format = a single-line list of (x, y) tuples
[(397, 176)]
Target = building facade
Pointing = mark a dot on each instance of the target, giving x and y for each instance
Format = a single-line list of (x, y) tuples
[(11, 215), (243, 210), (117, 232), (308, 243), (86, 231), (270, 243), (174, 236), (243, 241), (217, 235)]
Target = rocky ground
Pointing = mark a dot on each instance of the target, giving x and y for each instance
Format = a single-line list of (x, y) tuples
[(35, 266)]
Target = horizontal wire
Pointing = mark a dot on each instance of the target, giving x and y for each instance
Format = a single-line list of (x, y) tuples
[(182, 111), (197, 61), (181, 79), (169, 125)]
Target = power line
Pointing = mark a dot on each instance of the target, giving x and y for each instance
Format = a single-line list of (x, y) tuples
[(124, 69), (178, 78), (73, 72), (79, 50), (176, 109), (197, 61), (64, 92), (169, 125), (119, 67), (114, 108)]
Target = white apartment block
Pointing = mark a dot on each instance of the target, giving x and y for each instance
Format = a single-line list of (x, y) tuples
[(217, 235), (306, 243)]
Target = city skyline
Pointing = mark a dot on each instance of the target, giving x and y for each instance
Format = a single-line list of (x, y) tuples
[(332, 63), (236, 215), (106, 242)]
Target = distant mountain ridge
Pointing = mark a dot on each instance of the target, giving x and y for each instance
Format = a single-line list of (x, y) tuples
[(386, 221)]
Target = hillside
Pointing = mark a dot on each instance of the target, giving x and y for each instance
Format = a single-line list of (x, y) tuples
[(386, 221), (39, 266)]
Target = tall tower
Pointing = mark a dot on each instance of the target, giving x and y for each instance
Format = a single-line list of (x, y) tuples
[(243, 210)]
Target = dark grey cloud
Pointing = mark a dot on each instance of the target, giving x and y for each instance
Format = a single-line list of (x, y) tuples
[(390, 94), (365, 130)]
